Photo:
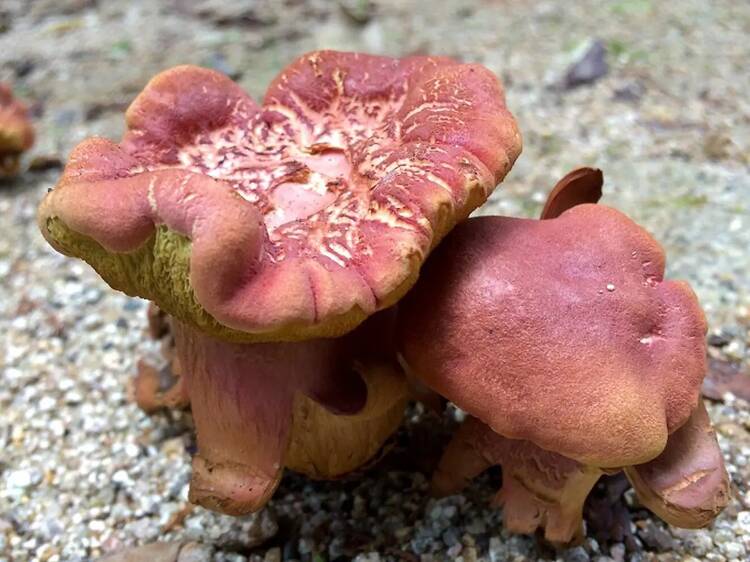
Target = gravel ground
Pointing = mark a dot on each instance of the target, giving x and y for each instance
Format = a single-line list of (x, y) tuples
[(83, 472)]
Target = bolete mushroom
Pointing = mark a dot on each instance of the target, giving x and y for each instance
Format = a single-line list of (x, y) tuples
[(575, 356), (16, 132), (270, 233)]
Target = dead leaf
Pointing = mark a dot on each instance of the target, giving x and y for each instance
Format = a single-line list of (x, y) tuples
[(726, 376)]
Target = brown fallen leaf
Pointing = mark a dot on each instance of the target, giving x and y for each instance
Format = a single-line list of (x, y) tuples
[(583, 185), (726, 376)]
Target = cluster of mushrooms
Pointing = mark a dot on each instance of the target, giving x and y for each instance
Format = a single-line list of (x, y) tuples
[(284, 244)]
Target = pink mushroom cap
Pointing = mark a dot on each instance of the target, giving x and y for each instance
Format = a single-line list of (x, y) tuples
[(562, 332), (299, 218)]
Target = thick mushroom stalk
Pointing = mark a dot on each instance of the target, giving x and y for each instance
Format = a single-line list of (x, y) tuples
[(563, 333), (249, 400), (242, 398), (16, 132), (687, 484), (540, 490)]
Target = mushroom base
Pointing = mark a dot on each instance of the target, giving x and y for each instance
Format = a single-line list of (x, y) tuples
[(541, 489), (312, 406), (686, 485)]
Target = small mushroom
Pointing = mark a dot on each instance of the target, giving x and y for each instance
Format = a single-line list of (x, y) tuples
[(16, 133), (272, 235), (562, 336)]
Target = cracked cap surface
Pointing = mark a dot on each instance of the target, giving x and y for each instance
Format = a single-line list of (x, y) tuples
[(295, 219)]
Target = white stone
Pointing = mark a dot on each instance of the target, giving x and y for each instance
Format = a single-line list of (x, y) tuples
[(24, 478)]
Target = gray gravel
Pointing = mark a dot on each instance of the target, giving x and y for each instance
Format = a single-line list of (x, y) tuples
[(83, 472)]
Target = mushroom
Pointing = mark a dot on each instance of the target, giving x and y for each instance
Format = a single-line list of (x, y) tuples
[(270, 233), (575, 356), (16, 133)]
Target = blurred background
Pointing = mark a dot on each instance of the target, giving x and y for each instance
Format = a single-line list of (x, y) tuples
[(654, 93)]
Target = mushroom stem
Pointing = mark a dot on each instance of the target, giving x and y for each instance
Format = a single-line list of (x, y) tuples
[(253, 404), (155, 390), (464, 459), (242, 399), (687, 484), (326, 445), (541, 489)]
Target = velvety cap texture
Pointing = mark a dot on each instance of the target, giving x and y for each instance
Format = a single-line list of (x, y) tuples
[(560, 331)]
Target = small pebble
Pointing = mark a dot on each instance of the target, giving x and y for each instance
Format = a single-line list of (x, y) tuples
[(577, 554), (617, 552), (25, 478)]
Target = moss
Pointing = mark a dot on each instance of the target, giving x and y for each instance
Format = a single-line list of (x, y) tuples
[(690, 200)]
